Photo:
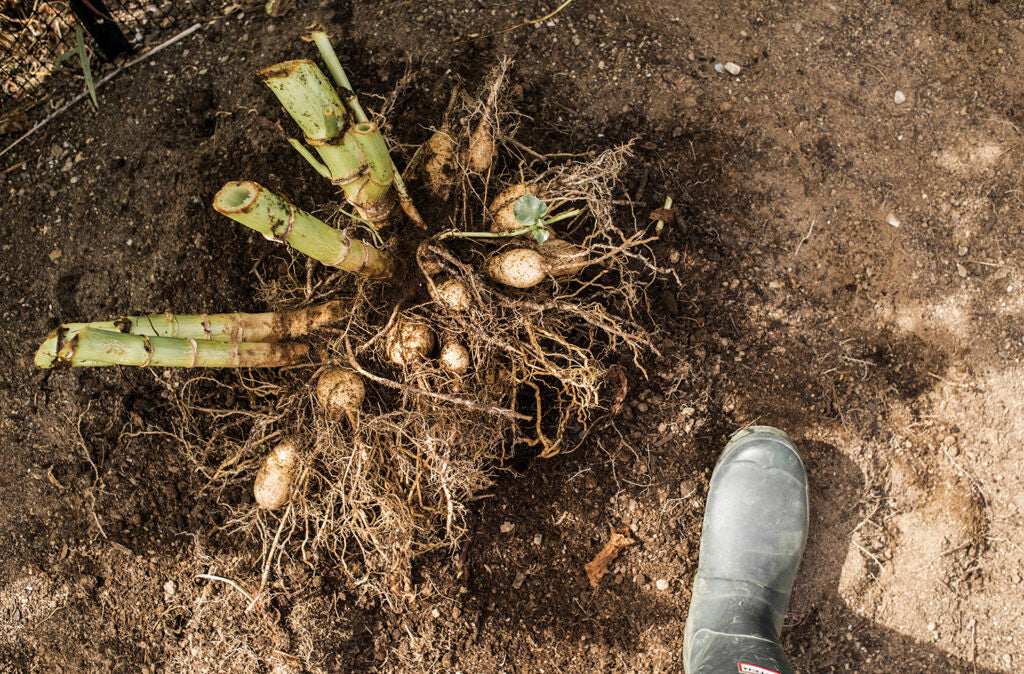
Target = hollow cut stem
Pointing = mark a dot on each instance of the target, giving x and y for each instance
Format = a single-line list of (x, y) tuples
[(353, 156), (277, 219), (233, 327), (91, 347)]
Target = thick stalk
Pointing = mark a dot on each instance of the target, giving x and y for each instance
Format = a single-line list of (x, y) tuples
[(355, 158), (234, 327), (277, 219), (94, 348), (304, 91), (323, 43)]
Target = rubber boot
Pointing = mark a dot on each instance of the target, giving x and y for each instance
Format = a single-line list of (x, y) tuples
[(755, 528)]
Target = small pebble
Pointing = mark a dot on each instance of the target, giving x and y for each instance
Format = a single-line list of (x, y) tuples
[(961, 251), (961, 270), (689, 102), (507, 527), (661, 584), (170, 588), (732, 68), (899, 98), (892, 220), (55, 254), (719, 68), (519, 580)]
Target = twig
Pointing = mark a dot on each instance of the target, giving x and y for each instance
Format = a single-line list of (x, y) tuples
[(519, 25), (210, 576), (804, 240), (53, 115), (873, 558), (501, 411)]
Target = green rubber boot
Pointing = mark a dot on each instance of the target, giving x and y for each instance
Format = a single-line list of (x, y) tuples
[(755, 528)]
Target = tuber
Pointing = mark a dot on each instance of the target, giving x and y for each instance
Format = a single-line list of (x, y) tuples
[(481, 149), (440, 167), (455, 358), (453, 295), (517, 267), (563, 258), (274, 480), (409, 341), (502, 206), (340, 391)]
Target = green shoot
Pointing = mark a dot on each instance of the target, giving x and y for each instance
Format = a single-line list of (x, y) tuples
[(83, 56), (529, 211)]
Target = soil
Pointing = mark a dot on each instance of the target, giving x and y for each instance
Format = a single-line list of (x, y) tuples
[(849, 272)]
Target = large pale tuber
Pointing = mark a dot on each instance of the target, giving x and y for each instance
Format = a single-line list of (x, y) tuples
[(273, 484), (563, 258), (516, 267)]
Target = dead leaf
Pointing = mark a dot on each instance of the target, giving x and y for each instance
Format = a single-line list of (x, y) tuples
[(598, 566)]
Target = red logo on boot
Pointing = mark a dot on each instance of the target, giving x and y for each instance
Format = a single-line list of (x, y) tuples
[(754, 669)]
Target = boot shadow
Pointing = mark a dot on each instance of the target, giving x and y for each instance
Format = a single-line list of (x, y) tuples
[(821, 633)]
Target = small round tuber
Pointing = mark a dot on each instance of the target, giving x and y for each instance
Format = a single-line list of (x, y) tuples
[(453, 295), (516, 267), (340, 391), (502, 207), (481, 149), (273, 483), (455, 358), (409, 341)]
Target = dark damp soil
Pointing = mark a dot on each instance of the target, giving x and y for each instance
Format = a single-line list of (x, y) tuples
[(849, 271)]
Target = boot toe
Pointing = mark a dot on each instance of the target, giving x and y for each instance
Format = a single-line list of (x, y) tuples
[(766, 447)]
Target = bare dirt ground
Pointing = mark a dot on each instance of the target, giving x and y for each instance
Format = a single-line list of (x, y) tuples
[(850, 272)]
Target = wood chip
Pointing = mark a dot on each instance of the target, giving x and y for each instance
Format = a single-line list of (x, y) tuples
[(598, 566)]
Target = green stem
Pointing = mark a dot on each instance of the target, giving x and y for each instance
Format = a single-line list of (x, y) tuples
[(232, 327), (308, 156), (330, 57), (456, 234), (305, 92), (358, 161), (453, 233), (92, 347), (276, 218), (562, 216)]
